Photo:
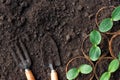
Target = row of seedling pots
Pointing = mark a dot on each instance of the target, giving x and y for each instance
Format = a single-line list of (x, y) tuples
[(107, 66), (95, 48)]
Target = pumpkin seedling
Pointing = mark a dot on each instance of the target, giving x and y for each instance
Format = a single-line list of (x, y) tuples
[(95, 39), (107, 23), (74, 72), (113, 66)]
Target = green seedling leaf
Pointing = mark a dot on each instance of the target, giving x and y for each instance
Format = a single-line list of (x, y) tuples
[(94, 53), (113, 66), (116, 14), (95, 37), (72, 74), (106, 25), (85, 69), (105, 76)]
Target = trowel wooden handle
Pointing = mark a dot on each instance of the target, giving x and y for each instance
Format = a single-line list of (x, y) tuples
[(54, 75), (29, 74)]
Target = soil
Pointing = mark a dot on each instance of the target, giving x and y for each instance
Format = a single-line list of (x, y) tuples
[(68, 22)]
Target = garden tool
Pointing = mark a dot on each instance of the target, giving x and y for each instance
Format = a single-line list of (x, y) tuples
[(50, 55), (22, 59)]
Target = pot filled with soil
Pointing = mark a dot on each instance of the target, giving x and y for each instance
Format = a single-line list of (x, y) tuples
[(102, 66), (86, 46), (114, 45), (104, 13), (78, 61)]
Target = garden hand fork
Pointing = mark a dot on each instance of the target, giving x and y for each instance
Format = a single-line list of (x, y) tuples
[(25, 59)]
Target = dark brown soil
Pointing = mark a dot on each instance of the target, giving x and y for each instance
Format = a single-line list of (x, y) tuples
[(68, 21)]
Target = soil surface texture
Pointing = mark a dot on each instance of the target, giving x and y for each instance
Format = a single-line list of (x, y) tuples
[(67, 21)]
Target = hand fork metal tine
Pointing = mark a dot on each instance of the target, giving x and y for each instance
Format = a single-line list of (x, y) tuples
[(19, 54), (25, 52), (14, 55), (26, 62)]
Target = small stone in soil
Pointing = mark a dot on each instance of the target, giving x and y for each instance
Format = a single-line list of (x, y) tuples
[(79, 8), (9, 20), (24, 4), (86, 14), (91, 16), (84, 34), (69, 54), (67, 37), (8, 2), (2, 1), (23, 20), (1, 17), (1, 23)]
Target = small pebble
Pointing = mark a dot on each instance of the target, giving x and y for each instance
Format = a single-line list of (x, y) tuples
[(73, 3), (8, 2), (9, 20), (64, 7), (22, 20), (67, 37), (86, 14), (79, 7), (24, 4), (1, 24), (69, 54), (84, 34), (2, 1), (91, 16), (1, 17)]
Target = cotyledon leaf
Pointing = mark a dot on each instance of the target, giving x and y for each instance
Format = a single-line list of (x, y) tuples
[(72, 73), (106, 25), (95, 37), (94, 53), (116, 14)]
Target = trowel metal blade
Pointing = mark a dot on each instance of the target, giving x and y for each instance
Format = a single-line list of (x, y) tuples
[(50, 51)]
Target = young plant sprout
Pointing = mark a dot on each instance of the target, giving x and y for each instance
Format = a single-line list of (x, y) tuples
[(113, 66), (95, 36), (95, 39), (107, 23), (74, 72)]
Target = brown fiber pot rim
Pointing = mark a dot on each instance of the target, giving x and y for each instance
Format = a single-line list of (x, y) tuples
[(110, 44)]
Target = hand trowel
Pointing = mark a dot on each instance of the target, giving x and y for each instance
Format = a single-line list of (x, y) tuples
[(50, 54)]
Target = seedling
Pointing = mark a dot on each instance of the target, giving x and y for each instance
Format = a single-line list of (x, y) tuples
[(107, 23), (113, 66), (95, 39), (74, 72), (95, 36)]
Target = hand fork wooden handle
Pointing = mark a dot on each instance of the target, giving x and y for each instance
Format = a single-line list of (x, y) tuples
[(25, 61), (29, 74)]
